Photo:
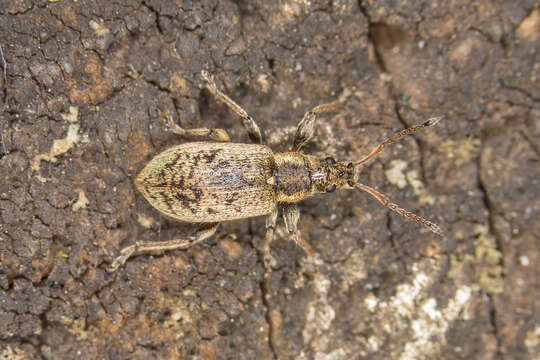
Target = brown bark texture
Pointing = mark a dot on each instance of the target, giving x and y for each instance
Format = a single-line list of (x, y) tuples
[(83, 85)]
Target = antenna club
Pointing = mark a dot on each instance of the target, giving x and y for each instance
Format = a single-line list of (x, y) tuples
[(435, 228), (432, 121)]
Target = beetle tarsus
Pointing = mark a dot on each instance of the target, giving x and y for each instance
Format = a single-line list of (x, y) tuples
[(219, 135)]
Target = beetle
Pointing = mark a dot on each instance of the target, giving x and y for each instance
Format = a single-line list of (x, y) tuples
[(210, 182)]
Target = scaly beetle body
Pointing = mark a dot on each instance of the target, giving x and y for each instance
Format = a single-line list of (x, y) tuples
[(210, 182)]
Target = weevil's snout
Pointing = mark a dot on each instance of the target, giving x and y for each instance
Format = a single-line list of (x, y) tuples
[(328, 175)]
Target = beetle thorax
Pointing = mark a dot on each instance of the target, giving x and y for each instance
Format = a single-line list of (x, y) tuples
[(292, 181), (297, 176)]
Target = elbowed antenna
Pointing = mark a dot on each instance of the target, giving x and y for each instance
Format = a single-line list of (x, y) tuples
[(386, 202), (382, 198), (411, 130)]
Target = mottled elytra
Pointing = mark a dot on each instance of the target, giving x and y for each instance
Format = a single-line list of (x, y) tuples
[(210, 182)]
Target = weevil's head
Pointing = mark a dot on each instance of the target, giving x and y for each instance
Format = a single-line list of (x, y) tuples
[(327, 174)]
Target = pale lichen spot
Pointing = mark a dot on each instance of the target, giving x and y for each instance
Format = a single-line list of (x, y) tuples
[(262, 80), (463, 152), (99, 28), (13, 353), (419, 188), (292, 9), (231, 248), (60, 146), (82, 201), (145, 221), (524, 260), (179, 85), (371, 302), (465, 49), (432, 323), (374, 343), (529, 27), (416, 183), (532, 339), (395, 174), (72, 116), (319, 316), (488, 260), (353, 269), (76, 327), (180, 315)]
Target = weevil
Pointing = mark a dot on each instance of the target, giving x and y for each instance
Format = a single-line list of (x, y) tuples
[(209, 182)]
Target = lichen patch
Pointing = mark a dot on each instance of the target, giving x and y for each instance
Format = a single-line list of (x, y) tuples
[(61, 146), (82, 202), (395, 173)]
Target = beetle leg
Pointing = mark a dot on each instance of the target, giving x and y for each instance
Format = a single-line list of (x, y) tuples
[(291, 215), (142, 247), (305, 129), (251, 126), (196, 134), (271, 220)]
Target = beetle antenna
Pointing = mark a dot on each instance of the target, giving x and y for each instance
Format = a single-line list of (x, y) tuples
[(386, 202), (380, 147)]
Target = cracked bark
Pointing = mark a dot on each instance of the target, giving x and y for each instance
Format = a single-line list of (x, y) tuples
[(212, 301), (492, 307)]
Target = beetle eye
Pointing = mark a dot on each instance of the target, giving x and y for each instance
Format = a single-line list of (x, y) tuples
[(331, 188), (330, 160)]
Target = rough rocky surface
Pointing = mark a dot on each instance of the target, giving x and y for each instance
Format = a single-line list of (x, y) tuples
[(82, 85)]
